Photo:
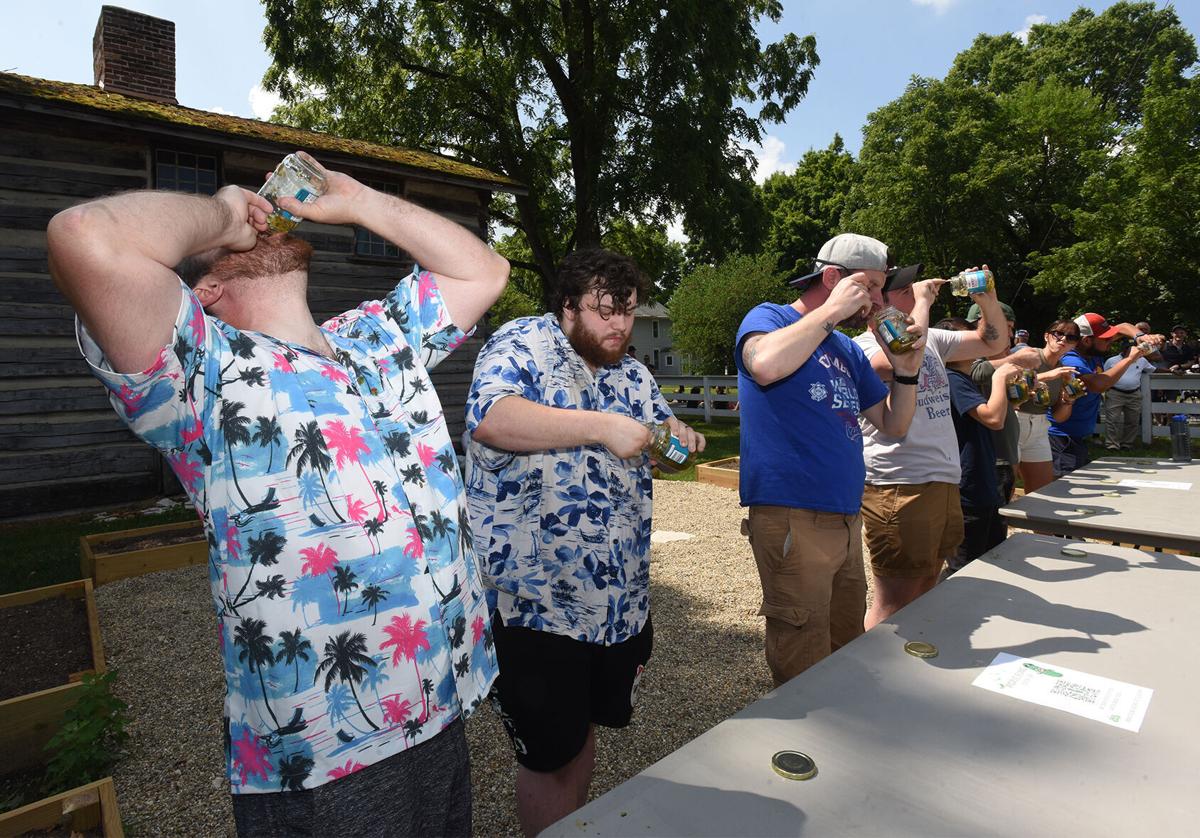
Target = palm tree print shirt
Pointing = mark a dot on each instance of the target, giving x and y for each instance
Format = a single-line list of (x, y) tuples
[(351, 616), (563, 536)]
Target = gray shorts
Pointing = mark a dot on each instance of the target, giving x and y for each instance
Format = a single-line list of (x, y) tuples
[(425, 790)]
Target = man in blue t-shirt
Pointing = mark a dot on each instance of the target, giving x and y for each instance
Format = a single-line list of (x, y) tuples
[(802, 386), (1069, 438)]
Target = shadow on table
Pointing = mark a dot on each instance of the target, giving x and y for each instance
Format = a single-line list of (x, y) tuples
[(1094, 561), (666, 807)]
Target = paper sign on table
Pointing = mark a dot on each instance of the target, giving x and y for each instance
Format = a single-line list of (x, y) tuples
[(1091, 696), (1156, 484)]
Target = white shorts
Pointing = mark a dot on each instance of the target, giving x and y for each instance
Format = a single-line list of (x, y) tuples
[(1034, 444)]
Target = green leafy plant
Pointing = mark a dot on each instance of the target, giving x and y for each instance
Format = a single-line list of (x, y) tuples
[(86, 746)]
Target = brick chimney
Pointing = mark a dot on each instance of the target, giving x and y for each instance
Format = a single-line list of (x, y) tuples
[(134, 54)]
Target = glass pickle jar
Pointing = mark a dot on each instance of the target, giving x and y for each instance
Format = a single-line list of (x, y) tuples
[(1018, 390), (1074, 387), (1041, 395), (1030, 378), (972, 282), (893, 328), (296, 178), (667, 450)]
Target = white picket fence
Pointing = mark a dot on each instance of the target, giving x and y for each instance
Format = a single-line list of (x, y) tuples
[(703, 402), (1159, 391)]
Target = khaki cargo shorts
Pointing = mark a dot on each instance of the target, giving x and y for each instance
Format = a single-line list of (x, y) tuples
[(910, 529)]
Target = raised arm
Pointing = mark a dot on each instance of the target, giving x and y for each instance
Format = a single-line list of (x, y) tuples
[(114, 261), (771, 356), (991, 414), (470, 275)]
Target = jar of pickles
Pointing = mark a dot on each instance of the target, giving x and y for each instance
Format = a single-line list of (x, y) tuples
[(294, 177), (1041, 395), (1074, 387), (1018, 390), (893, 328)]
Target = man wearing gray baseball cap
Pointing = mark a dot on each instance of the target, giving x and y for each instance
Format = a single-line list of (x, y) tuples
[(802, 386)]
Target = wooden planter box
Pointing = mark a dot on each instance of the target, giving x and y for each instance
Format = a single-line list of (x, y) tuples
[(719, 472), (103, 567), (87, 808), (27, 722)]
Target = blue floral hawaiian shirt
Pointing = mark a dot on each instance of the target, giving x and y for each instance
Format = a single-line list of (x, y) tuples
[(563, 536), (350, 612)]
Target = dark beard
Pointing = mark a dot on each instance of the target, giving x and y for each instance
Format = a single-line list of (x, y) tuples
[(593, 351), (271, 256)]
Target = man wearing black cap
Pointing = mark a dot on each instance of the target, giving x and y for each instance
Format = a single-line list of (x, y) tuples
[(911, 504), (802, 387), (1069, 438), (1178, 355)]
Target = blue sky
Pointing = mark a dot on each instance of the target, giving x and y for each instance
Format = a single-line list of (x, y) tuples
[(869, 50)]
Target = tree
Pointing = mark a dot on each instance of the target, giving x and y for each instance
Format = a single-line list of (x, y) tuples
[(256, 652), (1136, 257), (408, 639), (708, 306), (989, 164), (804, 208), (636, 109), (346, 659), (293, 648)]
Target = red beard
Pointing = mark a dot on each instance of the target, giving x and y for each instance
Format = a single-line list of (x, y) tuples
[(271, 256)]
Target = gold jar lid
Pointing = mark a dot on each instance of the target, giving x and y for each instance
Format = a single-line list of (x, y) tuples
[(921, 649), (793, 765)]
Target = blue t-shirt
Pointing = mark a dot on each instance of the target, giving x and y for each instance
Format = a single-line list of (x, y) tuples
[(1082, 421), (801, 444), (979, 484)]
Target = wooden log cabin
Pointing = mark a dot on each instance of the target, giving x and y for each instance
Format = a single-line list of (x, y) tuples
[(61, 446)]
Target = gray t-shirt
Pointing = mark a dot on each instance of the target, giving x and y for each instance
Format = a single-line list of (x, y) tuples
[(928, 453), (1008, 439)]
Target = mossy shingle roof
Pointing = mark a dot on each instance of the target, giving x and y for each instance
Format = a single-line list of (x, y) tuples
[(142, 110)]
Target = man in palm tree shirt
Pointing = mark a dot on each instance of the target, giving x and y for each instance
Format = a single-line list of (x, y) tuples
[(351, 616), (559, 488)]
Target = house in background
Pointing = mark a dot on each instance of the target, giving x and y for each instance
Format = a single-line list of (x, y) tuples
[(61, 445), (652, 338)]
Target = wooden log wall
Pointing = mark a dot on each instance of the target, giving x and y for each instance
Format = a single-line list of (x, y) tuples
[(61, 446)]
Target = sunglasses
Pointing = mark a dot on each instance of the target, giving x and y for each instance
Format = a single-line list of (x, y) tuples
[(1063, 336)]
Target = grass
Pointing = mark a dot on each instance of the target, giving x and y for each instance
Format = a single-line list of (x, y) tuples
[(46, 552), (722, 438)]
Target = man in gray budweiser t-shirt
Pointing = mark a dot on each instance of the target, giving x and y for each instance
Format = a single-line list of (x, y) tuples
[(911, 511)]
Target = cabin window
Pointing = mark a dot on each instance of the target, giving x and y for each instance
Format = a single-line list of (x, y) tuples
[(185, 171)]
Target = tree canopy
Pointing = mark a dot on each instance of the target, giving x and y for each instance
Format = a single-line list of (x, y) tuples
[(635, 110)]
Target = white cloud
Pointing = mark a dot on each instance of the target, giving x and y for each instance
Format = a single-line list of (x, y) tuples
[(938, 6), (770, 160), (1030, 20), (221, 111), (263, 102), (675, 230)]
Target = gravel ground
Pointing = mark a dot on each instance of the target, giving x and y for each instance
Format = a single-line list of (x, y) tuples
[(707, 665)]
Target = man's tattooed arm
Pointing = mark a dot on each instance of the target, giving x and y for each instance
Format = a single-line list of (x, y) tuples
[(750, 352)]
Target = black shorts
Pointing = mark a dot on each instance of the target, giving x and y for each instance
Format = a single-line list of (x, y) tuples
[(552, 688)]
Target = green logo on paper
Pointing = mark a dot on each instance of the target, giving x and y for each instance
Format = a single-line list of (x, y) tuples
[(1043, 670)]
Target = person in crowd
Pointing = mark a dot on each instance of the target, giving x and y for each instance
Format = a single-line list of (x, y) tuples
[(1035, 459), (1020, 339), (1178, 354), (1123, 403), (1069, 438), (332, 511), (978, 420), (911, 508), (802, 386), (559, 489), (1005, 439)]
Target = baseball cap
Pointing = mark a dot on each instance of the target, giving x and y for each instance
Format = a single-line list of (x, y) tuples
[(1092, 325), (973, 313), (854, 252)]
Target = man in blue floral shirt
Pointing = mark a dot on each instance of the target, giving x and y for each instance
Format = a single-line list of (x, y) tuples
[(350, 613), (559, 491)]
